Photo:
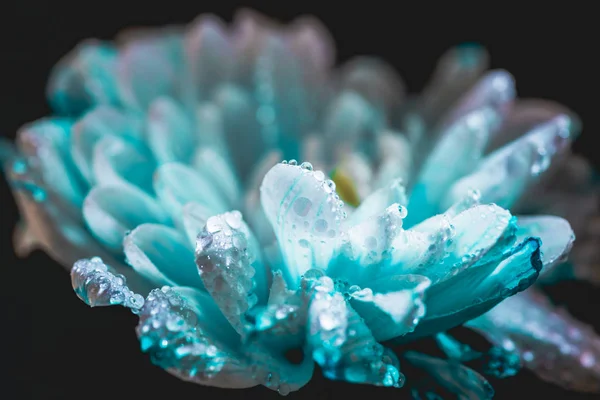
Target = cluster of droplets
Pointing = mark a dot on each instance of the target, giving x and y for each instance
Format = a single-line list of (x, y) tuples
[(225, 262), (168, 331), (96, 286)]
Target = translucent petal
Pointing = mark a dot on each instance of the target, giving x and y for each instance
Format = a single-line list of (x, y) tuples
[(456, 71), (170, 132), (230, 265), (96, 124), (353, 177), (496, 90), (343, 345), (452, 376), (305, 214), (465, 140), (211, 164), (84, 78), (97, 286), (374, 80), (116, 161), (170, 331), (241, 128), (147, 71), (556, 235), (378, 201), (194, 218), (111, 211), (554, 345), (502, 176), (210, 55), (395, 159), (176, 184), (162, 255), (479, 288), (48, 142), (391, 307)]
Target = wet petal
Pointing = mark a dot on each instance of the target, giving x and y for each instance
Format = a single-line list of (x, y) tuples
[(454, 377), (210, 55), (170, 330), (379, 200), (230, 265), (96, 124), (170, 132), (502, 176), (162, 255), (479, 288), (117, 162), (391, 307), (555, 346), (84, 78), (111, 211), (176, 184), (48, 141), (465, 140), (305, 214), (343, 345), (556, 235)]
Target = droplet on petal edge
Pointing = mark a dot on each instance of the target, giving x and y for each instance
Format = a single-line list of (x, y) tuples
[(96, 286)]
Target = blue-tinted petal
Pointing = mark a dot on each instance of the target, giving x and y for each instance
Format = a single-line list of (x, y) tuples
[(84, 78), (162, 255), (115, 161), (556, 235), (209, 54), (305, 214), (177, 184), (230, 265), (465, 140), (169, 329), (170, 132), (479, 288), (111, 211), (554, 345), (378, 201), (391, 307), (194, 217), (343, 345), (395, 159), (48, 141), (454, 377), (96, 124), (208, 162), (502, 176)]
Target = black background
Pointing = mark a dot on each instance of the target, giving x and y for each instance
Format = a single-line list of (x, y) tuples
[(55, 347)]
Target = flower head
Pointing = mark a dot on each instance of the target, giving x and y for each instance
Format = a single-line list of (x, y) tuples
[(164, 165)]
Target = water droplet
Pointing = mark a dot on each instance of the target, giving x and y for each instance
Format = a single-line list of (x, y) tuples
[(302, 206), (321, 225), (293, 162), (307, 166), (403, 211), (319, 176), (304, 243)]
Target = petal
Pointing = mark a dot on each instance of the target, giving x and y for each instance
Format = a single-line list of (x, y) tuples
[(176, 185), (111, 211), (230, 265), (170, 132), (554, 345), (456, 72), (305, 214), (378, 201), (391, 307), (479, 288), (117, 162), (395, 158), (211, 164), (452, 376), (96, 124), (343, 345), (162, 255), (465, 140), (170, 331), (209, 53), (48, 142), (556, 235), (84, 78), (374, 80), (194, 218), (502, 176), (353, 177)]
